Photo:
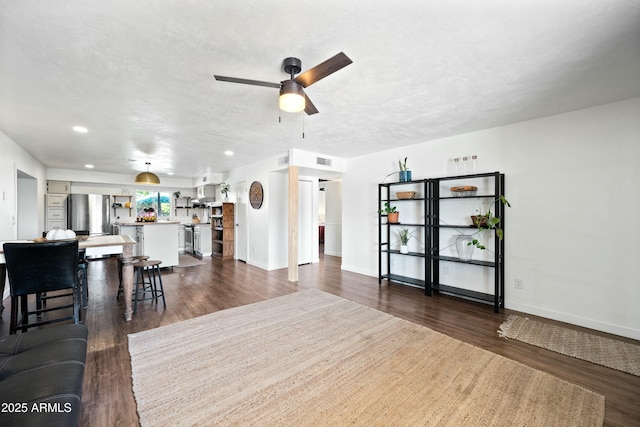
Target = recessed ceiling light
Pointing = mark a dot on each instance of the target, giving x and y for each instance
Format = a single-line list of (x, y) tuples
[(169, 173), (88, 166), (80, 129), (228, 153)]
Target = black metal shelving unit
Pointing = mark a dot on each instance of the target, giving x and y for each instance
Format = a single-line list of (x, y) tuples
[(433, 243), (385, 252)]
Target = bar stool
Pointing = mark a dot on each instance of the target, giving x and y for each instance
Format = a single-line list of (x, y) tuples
[(154, 282), (136, 258)]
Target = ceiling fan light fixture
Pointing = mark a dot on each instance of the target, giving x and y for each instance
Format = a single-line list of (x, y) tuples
[(291, 97), (147, 177)]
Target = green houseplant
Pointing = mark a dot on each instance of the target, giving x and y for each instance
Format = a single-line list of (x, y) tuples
[(390, 211), (405, 236), (486, 220), (224, 189)]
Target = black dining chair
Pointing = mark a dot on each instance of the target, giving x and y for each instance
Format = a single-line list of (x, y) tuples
[(83, 283), (36, 268)]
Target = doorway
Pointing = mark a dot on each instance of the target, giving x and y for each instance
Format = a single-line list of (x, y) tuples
[(241, 235), (27, 206)]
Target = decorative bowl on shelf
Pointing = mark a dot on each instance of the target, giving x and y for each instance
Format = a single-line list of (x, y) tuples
[(464, 191), (403, 195)]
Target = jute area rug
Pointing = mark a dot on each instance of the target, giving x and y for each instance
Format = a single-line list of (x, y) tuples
[(188, 261), (592, 348), (312, 358)]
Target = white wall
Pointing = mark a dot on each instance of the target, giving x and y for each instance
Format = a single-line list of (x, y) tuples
[(278, 216), (571, 235), (333, 218), (268, 226), (265, 225), (12, 159)]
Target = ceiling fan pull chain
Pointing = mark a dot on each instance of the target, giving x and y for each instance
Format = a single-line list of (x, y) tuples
[(302, 126)]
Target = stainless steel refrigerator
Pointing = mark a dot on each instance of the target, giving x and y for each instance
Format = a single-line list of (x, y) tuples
[(89, 213)]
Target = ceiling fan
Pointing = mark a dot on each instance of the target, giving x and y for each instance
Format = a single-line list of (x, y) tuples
[(292, 97)]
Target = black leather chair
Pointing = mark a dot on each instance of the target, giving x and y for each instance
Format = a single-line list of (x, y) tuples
[(41, 376), (36, 268), (83, 283)]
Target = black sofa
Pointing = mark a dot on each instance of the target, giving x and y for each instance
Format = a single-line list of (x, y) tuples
[(41, 374)]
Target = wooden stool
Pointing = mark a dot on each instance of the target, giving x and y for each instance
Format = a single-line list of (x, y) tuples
[(136, 258), (152, 268)]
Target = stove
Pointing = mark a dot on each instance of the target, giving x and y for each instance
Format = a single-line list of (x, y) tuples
[(188, 238)]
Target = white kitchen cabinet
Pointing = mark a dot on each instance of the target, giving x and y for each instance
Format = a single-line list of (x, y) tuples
[(56, 211), (59, 187), (158, 240), (181, 241), (206, 191), (202, 240), (130, 230)]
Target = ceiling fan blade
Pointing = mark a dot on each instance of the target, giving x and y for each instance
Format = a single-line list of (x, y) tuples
[(321, 71), (309, 108), (247, 81)]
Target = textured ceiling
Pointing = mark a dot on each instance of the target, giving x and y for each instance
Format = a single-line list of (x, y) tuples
[(139, 74)]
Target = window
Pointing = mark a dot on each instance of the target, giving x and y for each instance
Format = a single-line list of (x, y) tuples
[(160, 202)]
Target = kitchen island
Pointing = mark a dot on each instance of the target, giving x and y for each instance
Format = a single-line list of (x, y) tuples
[(157, 240)]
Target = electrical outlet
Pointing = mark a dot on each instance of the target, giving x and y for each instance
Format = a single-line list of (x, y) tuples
[(517, 283)]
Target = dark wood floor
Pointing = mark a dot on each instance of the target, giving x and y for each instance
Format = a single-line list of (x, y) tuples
[(217, 285)]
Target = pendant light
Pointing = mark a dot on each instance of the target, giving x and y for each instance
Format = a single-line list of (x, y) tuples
[(147, 177)]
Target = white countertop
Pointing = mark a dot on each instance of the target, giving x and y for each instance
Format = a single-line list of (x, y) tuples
[(134, 223)]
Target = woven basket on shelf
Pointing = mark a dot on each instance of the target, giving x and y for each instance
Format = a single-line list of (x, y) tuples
[(405, 194)]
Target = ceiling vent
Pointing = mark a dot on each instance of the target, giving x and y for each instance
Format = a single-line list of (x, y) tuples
[(322, 161), (283, 160)]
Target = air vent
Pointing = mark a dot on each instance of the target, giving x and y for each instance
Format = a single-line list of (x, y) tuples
[(323, 161), (283, 160)]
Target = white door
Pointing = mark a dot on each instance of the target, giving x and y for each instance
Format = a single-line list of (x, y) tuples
[(241, 237), (305, 222)]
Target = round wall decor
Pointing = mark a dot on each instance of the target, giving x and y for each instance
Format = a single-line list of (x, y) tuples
[(256, 194)]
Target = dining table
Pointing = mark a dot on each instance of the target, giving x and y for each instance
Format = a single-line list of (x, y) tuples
[(94, 246)]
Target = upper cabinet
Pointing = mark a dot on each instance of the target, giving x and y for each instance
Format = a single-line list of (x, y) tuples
[(59, 187), (208, 191)]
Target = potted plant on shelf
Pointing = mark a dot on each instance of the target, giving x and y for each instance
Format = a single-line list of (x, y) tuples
[(391, 212), (486, 220), (224, 189), (405, 236), (405, 173)]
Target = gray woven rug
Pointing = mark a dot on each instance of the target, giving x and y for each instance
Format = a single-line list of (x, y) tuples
[(603, 351), (315, 359)]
